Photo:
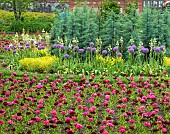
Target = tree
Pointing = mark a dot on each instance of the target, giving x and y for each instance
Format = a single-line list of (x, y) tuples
[(18, 6), (108, 6), (110, 30)]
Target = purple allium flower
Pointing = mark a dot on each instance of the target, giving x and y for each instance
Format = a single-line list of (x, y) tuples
[(156, 49), (56, 46), (14, 51), (133, 46), (7, 48), (61, 47), (93, 49), (131, 50), (69, 48), (104, 52), (76, 48), (66, 56), (11, 45), (144, 50), (21, 47), (42, 39), (162, 47), (119, 55), (27, 46), (32, 41), (115, 49), (91, 44), (81, 51), (40, 47), (88, 48)]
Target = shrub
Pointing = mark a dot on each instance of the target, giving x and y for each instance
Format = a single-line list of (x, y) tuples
[(110, 61), (31, 22), (38, 64), (167, 61)]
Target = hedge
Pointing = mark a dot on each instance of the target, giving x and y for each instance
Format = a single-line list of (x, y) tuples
[(32, 22)]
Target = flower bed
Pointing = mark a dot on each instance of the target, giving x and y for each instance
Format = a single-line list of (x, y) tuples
[(93, 105)]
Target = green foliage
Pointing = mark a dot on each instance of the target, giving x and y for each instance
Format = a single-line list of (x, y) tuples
[(32, 22), (109, 6), (131, 6)]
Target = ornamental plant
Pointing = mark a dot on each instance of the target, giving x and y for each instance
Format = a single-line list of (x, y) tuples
[(38, 64), (76, 104)]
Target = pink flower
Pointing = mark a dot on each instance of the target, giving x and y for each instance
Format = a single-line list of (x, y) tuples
[(123, 105), (60, 105), (63, 112), (8, 93), (85, 114), (102, 127), (10, 122), (40, 106), (70, 111), (80, 106), (104, 121), (71, 76), (124, 100), (74, 118), (91, 100), (54, 119), (67, 119), (1, 122), (124, 114), (113, 91), (147, 124), (107, 97), (31, 122), (53, 112), (90, 119), (164, 130), (110, 124), (105, 132), (131, 121), (111, 112), (108, 109), (166, 103), (46, 122), (78, 126), (41, 101), (38, 119), (105, 102), (160, 127), (122, 129)]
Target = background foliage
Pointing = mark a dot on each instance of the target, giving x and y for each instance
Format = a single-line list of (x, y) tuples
[(32, 22)]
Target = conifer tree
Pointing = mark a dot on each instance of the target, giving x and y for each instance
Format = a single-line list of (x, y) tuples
[(110, 30), (166, 18), (147, 26)]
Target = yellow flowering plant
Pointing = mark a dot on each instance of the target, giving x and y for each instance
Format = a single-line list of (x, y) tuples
[(167, 61), (108, 60), (41, 64)]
